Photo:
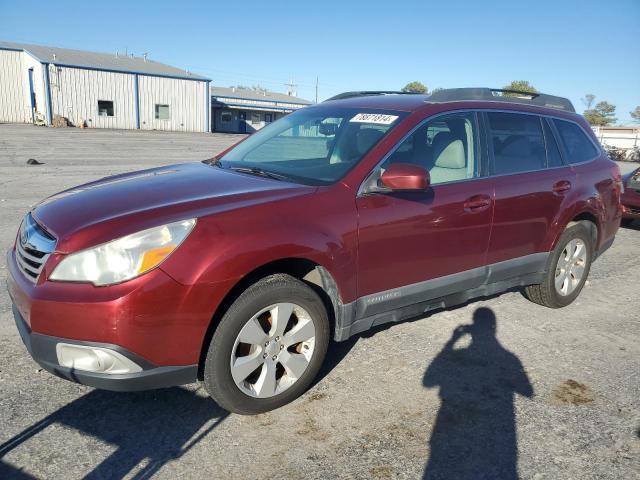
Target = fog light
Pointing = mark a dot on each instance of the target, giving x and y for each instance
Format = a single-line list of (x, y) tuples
[(94, 359)]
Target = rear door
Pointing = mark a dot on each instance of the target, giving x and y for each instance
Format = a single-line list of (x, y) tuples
[(408, 239), (532, 183)]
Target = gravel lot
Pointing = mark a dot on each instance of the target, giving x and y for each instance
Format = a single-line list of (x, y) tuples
[(554, 394)]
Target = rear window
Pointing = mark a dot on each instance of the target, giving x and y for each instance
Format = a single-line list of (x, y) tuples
[(577, 146), (518, 144)]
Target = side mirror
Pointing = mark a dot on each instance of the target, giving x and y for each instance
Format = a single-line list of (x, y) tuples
[(405, 177)]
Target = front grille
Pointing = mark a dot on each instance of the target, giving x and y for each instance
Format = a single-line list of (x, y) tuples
[(634, 210), (33, 248)]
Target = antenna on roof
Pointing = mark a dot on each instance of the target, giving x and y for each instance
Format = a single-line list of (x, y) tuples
[(291, 89), (144, 56)]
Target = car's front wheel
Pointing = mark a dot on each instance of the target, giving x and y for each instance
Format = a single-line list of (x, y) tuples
[(268, 347)]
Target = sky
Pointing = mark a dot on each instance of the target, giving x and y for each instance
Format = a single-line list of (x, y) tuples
[(562, 47)]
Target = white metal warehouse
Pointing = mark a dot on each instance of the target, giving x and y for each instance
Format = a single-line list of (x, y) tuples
[(100, 90)]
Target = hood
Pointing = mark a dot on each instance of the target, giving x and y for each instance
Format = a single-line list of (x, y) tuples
[(115, 206)]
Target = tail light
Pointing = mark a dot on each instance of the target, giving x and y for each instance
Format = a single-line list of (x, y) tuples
[(617, 179), (618, 187)]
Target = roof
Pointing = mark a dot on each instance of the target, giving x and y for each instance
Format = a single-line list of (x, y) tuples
[(401, 102), (413, 102), (255, 94), (100, 61)]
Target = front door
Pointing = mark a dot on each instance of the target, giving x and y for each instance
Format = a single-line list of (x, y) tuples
[(407, 241), (242, 122)]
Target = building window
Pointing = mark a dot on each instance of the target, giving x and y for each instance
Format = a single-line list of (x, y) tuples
[(226, 117), (105, 108), (268, 118), (162, 112), (256, 118)]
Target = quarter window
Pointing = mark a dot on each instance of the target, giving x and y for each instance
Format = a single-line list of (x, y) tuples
[(577, 146), (105, 108), (518, 144), (445, 146), (162, 112)]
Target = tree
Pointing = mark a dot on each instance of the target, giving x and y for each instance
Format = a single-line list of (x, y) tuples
[(588, 100), (520, 86), (602, 115), (635, 114), (415, 87)]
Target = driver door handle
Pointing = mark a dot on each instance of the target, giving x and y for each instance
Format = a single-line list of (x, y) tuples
[(477, 203)]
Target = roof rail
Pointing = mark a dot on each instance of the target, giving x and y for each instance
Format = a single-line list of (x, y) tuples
[(499, 95), (366, 93)]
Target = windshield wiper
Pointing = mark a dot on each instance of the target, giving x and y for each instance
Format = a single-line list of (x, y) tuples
[(260, 172), (214, 162)]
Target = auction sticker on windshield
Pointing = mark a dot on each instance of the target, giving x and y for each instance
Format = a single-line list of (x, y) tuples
[(378, 118)]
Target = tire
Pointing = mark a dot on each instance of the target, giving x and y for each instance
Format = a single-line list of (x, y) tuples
[(546, 293), (626, 222), (252, 314)]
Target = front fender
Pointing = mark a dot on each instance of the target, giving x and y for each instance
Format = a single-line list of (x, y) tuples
[(321, 228)]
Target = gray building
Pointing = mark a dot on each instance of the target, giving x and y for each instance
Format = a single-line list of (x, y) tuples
[(245, 110), (100, 90)]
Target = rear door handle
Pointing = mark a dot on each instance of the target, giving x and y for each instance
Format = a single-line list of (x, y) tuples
[(477, 203), (562, 186)]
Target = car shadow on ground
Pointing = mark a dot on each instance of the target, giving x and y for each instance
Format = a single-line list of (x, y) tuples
[(474, 435), (147, 429)]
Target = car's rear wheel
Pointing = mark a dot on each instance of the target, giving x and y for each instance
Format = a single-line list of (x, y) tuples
[(268, 347), (567, 269)]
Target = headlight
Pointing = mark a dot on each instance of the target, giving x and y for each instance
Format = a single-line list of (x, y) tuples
[(124, 258)]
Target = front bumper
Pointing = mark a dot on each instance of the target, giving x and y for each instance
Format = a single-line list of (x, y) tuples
[(630, 212), (43, 350), (630, 204), (153, 320)]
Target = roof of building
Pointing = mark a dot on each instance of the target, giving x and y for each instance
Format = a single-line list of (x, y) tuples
[(256, 94), (100, 61)]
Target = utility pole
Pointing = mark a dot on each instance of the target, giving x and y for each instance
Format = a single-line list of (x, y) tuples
[(316, 89)]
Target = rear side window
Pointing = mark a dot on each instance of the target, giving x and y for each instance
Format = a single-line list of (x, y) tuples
[(518, 143), (577, 146)]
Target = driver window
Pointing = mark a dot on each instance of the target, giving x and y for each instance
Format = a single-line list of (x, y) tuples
[(445, 146)]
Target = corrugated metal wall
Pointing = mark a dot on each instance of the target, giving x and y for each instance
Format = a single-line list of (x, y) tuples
[(186, 100), (38, 84), (75, 93), (13, 107)]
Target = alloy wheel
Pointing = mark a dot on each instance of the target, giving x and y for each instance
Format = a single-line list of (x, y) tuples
[(570, 267), (273, 350)]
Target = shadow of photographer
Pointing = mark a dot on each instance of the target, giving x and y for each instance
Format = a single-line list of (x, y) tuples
[(474, 436)]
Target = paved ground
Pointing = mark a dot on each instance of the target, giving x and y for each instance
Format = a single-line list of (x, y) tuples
[(571, 376)]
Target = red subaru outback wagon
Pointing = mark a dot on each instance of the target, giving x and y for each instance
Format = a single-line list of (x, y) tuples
[(371, 207)]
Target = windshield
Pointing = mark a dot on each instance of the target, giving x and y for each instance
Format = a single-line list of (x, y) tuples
[(314, 145)]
